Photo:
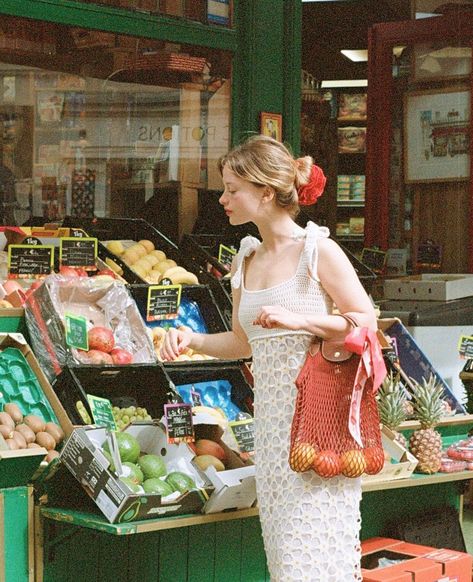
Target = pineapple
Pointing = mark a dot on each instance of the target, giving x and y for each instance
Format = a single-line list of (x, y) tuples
[(426, 443), (392, 401)]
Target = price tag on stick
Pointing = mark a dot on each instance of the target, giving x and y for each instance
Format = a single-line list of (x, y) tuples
[(102, 412), (179, 425), (243, 430), (465, 346), (78, 252), (163, 302), (225, 255), (76, 331), (25, 261)]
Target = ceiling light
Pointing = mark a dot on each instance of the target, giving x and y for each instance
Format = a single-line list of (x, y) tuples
[(344, 83), (357, 56), (397, 51)]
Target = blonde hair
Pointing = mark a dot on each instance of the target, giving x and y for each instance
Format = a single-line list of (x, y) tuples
[(265, 161)]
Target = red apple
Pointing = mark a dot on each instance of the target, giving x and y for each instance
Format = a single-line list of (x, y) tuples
[(121, 356)]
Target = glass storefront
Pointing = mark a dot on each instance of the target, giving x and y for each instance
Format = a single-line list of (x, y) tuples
[(97, 124)]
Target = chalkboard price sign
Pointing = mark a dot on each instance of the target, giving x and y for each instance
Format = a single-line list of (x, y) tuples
[(78, 252), (179, 425), (429, 256), (374, 259), (243, 431), (25, 261), (163, 302), (225, 255), (102, 412), (465, 346)]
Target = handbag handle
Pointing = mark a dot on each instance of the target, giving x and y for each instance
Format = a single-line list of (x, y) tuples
[(334, 351)]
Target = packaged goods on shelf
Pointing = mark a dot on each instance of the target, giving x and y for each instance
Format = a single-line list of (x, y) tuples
[(106, 308), (83, 457)]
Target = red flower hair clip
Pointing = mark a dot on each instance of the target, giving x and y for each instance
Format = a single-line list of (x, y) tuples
[(310, 192)]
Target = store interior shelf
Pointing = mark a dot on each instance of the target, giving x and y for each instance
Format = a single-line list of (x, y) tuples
[(350, 203), (98, 522)]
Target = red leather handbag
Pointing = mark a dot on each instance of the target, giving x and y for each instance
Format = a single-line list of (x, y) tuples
[(335, 429)]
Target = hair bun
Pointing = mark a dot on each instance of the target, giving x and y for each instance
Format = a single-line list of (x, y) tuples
[(310, 192)]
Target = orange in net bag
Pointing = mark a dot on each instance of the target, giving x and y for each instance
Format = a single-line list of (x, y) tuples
[(335, 428)]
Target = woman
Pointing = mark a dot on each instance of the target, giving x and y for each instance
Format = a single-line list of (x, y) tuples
[(284, 289)]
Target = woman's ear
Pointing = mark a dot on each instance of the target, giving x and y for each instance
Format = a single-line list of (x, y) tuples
[(268, 194)]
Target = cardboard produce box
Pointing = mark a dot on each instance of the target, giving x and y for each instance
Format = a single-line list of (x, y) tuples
[(429, 287), (27, 386), (234, 489), (415, 563), (414, 364), (404, 462), (82, 456), (140, 385), (106, 304)]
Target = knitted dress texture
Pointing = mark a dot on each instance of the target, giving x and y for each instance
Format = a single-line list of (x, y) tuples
[(310, 525)]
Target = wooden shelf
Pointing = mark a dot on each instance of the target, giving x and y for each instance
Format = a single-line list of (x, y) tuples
[(98, 522), (457, 419), (417, 480), (350, 203)]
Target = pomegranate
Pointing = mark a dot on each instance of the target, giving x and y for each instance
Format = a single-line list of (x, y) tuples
[(121, 356), (101, 338), (66, 271), (97, 357)]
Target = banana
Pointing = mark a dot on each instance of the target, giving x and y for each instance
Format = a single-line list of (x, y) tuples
[(168, 274), (186, 278)]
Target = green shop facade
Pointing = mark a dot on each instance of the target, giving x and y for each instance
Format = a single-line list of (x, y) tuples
[(112, 110)]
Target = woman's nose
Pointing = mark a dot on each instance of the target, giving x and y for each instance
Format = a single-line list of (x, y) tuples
[(221, 199)]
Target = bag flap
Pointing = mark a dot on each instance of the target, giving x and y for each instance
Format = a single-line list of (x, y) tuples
[(335, 352)]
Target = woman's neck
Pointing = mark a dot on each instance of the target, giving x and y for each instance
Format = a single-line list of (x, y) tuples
[(279, 231)]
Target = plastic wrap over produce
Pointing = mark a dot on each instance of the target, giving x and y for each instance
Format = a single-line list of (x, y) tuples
[(86, 321)]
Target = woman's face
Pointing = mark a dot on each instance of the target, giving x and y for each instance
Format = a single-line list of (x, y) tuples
[(241, 199)]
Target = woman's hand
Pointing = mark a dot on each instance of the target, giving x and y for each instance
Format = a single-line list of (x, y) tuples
[(176, 341), (272, 316)]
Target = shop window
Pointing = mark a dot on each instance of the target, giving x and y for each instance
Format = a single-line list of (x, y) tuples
[(205, 11), (99, 124)]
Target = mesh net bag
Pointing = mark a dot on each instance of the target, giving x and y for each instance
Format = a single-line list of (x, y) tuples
[(335, 428)]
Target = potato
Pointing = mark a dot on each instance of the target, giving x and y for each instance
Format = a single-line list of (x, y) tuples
[(6, 431), (7, 420), (44, 439), (51, 455), (26, 431), (55, 431), (36, 423), (20, 439), (14, 411)]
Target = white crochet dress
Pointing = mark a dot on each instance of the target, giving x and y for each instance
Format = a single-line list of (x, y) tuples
[(310, 525)]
